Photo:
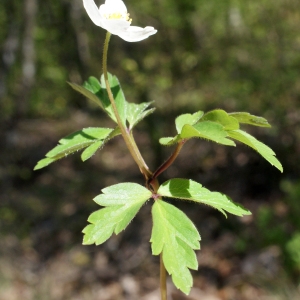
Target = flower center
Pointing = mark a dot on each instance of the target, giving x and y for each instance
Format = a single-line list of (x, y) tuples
[(118, 16)]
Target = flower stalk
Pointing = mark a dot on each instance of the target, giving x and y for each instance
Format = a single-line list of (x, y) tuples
[(130, 143)]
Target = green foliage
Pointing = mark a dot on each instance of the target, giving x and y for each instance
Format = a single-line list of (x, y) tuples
[(90, 138), (217, 125), (220, 116), (266, 152), (281, 227), (189, 119), (231, 125), (186, 189), (173, 234), (293, 249), (292, 191), (207, 130), (195, 125), (137, 112), (96, 91), (118, 95), (231, 69), (94, 138), (122, 202), (239, 49), (176, 237), (232, 121), (86, 92), (246, 118)]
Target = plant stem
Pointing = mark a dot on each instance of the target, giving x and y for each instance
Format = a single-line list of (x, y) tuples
[(134, 151), (163, 279), (128, 138), (168, 162)]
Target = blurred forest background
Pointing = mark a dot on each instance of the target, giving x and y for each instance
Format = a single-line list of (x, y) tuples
[(232, 54)]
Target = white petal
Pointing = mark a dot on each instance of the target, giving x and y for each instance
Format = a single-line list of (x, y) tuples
[(113, 6), (115, 26), (136, 34), (93, 11)]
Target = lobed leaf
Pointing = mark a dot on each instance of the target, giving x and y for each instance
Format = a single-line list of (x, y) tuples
[(198, 126), (168, 141), (137, 112), (122, 202), (221, 116), (266, 152), (207, 130), (87, 93), (175, 235), (189, 119), (90, 150), (91, 138), (96, 91), (93, 85), (118, 95), (244, 117), (186, 189), (78, 140), (44, 163)]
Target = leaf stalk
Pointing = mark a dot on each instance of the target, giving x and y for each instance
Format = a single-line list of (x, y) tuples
[(168, 162)]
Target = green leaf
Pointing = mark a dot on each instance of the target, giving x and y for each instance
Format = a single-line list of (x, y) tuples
[(137, 112), (93, 85), (131, 112), (76, 141), (244, 117), (189, 119), (168, 141), (90, 150), (86, 134), (87, 93), (44, 163), (220, 116), (122, 202), (207, 130), (96, 91), (187, 189), (266, 152), (176, 237), (119, 97)]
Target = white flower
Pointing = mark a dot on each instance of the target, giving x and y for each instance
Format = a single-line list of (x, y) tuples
[(113, 17)]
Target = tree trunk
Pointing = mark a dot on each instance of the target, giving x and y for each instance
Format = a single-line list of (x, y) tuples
[(28, 57)]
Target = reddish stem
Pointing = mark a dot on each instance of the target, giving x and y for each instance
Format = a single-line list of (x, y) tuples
[(166, 164)]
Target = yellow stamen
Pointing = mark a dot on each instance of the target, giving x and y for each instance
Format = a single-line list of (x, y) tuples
[(128, 18), (118, 16)]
